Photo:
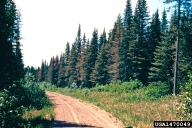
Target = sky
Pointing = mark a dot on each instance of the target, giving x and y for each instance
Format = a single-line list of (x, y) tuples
[(47, 25)]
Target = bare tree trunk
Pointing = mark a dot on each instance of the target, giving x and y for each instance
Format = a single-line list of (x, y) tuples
[(177, 49)]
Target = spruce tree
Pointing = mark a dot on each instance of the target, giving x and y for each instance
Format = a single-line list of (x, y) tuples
[(124, 46), (10, 53), (78, 40), (99, 74), (102, 39), (154, 36), (114, 57), (61, 72), (185, 47), (91, 57), (50, 72), (55, 71), (80, 67), (71, 73), (138, 57), (40, 73), (162, 69), (63, 63), (182, 6)]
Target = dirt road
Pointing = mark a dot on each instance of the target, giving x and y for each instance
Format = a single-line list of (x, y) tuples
[(71, 112)]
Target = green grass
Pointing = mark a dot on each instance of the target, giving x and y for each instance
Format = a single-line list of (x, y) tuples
[(133, 108), (39, 118)]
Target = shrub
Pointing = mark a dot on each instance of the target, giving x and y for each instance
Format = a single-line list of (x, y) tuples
[(156, 91), (35, 95), (184, 104), (11, 108), (119, 87), (132, 85), (73, 86)]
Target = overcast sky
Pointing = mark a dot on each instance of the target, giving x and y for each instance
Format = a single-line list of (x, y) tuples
[(47, 25)]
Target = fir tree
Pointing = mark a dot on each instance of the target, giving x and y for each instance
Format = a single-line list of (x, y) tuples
[(81, 62), (114, 57), (102, 39), (162, 69), (181, 6), (138, 57), (99, 74), (185, 47), (61, 72), (71, 73), (55, 71), (63, 63), (124, 46), (91, 57), (10, 53), (154, 36), (50, 72), (40, 73)]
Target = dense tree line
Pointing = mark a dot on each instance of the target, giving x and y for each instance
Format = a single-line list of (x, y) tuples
[(11, 64), (137, 47)]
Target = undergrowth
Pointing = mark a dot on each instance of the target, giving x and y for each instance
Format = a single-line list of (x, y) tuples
[(21, 99), (132, 102)]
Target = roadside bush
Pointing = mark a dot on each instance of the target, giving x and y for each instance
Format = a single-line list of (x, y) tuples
[(156, 91), (10, 109), (119, 87), (132, 85), (12, 102), (36, 97), (184, 104), (47, 86)]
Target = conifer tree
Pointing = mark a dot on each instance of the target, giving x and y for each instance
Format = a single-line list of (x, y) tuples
[(91, 57), (71, 73), (50, 72), (10, 53), (55, 71), (181, 6), (124, 46), (99, 74), (154, 36), (162, 69), (61, 72), (102, 39), (40, 73), (114, 57), (63, 63), (185, 47), (139, 44), (81, 62), (78, 40)]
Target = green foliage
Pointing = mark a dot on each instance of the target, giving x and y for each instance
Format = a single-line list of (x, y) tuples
[(157, 90), (184, 104), (73, 86), (10, 109), (119, 87), (47, 86), (35, 95), (133, 108)]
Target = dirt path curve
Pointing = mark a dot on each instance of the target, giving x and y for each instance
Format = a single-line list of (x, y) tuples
[(71, 112)]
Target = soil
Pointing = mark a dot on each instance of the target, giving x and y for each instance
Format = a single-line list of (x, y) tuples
[(71, 112)]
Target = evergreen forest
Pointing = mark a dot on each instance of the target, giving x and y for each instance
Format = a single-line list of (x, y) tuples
[(137, 47), (149, 50)]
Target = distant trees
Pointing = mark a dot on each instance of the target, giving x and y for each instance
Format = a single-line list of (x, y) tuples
[(137, 47)]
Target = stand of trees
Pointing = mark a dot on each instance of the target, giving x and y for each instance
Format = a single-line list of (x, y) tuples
[(138, 47), (11, 64)]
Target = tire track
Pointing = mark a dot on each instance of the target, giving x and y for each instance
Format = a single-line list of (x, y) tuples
[(72, 110)]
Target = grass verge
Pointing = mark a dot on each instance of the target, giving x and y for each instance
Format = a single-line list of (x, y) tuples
[(42, 118), (133, 108)]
